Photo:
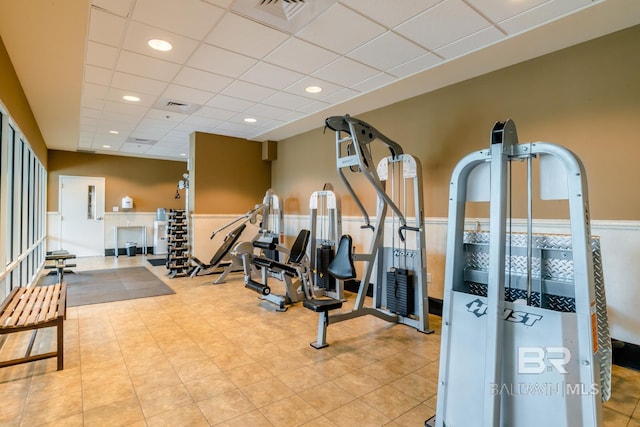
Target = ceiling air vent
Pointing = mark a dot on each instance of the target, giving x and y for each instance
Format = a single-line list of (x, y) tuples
[(175, 106), (141, 140), (285, 9)]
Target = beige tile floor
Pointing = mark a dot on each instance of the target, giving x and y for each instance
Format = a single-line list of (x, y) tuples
[(215, 355)]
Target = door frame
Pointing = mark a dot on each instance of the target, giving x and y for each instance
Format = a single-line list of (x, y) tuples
[(101, 238)]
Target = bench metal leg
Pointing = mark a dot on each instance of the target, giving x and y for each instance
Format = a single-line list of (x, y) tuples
[(60, 344), (323, 322)]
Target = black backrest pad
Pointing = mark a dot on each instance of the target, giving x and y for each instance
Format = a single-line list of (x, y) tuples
[(342, 265), (229, 241), (299, 247)]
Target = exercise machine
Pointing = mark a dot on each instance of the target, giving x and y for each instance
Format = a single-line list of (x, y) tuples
[(225, 260), (295, 273), (525, 337), (326, 229), (396, 261)]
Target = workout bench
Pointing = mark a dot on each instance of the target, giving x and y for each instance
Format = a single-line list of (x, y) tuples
[(34, 308)]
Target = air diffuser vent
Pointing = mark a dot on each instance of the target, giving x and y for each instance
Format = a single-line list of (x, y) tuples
[(141, 141), (284, 9), (175, 106)]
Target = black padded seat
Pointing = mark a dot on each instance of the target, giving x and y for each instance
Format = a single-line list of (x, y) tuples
[(322, 305), (342, 267), (229, 240), (299, 247)]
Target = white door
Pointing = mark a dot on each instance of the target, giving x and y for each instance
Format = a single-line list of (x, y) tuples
[(82, 215)]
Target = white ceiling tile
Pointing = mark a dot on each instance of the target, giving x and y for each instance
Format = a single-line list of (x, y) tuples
[(271, 76), (191, 18), (166, 116), (94, 103), (116, 95), (130, 82), (187, 95), (222, 3), (345, 72), (374, 82), (286, 100), (397, 50), (213, 113), (117, 7), (160, 125), (470, 43), (341, 96), (202, 80), (248, 91), (499, 10), (148, 132), (90, 112), (101, 55), (267, 111), (131, 147), (299, 87), (138, 35), (419, 64), (443, 24), (340, 29), (543, 13), (314, 107), (134, 63), (115, 115), (389, 13), (215, 60), (229, 103), (95, 91), (105, 28), (300, 55), (247, 37), (134, 111), (97, 75)]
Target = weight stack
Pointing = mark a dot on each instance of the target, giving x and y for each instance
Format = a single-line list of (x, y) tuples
[(400, 295), (324, 256)]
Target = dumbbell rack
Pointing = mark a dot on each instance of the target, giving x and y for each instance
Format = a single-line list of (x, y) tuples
[(177, 247)]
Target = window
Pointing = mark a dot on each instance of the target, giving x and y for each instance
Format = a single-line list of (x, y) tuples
[(22, 208)]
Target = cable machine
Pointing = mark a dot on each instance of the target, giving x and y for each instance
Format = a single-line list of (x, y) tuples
[(525, 337), (326, 229), (396, 263)]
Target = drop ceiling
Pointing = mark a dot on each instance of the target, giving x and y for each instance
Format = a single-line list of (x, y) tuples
[(233, 60)]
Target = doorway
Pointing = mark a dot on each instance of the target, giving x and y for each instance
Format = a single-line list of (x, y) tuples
[(81, 208)]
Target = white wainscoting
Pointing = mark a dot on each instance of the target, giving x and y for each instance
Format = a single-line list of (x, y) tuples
[(111, 219)]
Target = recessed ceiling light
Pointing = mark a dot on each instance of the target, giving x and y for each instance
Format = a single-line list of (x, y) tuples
[(250, 120), (161, 45), (313, 89), (131, 98), (106, 146), (183, 155), (115, 132)]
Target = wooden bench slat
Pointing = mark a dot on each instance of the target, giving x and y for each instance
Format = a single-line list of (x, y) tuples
[(52, 305), (36, 311), (16, 308), (8, 306), (31, 299)]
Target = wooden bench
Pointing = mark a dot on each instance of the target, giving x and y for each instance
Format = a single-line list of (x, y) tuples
[(34, 308)]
